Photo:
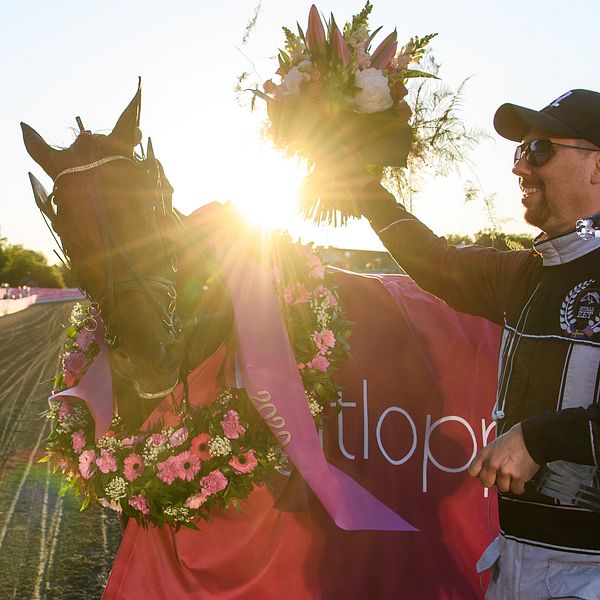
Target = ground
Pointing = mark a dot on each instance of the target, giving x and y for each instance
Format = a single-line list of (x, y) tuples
[(48, 549)]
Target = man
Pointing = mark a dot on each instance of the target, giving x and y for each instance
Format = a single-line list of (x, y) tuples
[(548, 303)]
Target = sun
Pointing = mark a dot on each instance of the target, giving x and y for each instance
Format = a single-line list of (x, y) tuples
[(266, 190)]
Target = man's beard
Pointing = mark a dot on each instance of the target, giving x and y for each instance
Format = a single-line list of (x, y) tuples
[(538, 212)]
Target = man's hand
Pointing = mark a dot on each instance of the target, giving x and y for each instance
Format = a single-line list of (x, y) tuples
[(505, 463)]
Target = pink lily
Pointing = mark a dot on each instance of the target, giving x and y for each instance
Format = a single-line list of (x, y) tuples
[(384, 53), (315, 34), (338, 45)]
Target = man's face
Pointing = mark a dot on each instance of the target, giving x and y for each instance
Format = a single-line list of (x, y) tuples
[(560, 192)]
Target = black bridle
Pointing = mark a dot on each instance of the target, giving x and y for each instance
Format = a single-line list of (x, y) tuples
[(150, 285)]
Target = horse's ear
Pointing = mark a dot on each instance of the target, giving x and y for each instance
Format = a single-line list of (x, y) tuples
[(127, 127), (43, 154), (41, 198)]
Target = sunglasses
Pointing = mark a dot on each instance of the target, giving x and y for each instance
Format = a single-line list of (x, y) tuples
[(538, 152)]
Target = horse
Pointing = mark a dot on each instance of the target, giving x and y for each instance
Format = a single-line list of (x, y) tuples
[(154, 277), (133, 258)]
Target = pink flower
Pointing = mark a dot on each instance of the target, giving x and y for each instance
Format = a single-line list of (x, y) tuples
[(65, 410), (129, 442), (195, 501), (156, 439), (385, 52), (87, 459), (78, 438), (246, 463), (71, 379), (317, 270), (133, 466), (199, 446), (140, 503), (339, 49), (299, 290), (178, 437), (187, 465), (301, 366), (85, 338), (363, 59), (323, 340), (327, 293), (74, 362), (212, 483), (107, 463), (168, 470), (319, 362), (231, 425), (110, 504), (315, 32)]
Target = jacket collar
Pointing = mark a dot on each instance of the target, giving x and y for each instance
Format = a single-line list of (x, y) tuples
[(564, 249)]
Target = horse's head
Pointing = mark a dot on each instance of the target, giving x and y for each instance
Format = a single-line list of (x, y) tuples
[(113, 214)]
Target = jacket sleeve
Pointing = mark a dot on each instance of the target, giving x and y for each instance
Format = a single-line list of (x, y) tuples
[(474, 280), (571, 434)]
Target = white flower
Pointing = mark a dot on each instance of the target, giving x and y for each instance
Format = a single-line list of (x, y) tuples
[(291, 82), (375, 94), (116, 489), (219, 446), (181, 514)]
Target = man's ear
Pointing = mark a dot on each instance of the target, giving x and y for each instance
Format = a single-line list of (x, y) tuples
[(595, 176)]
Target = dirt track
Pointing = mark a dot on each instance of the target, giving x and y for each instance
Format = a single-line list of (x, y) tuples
[(48, 549)]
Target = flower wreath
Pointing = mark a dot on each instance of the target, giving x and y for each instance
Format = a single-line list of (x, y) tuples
[(217, 453)]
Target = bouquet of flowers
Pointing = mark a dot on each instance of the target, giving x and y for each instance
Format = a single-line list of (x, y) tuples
[(338, 97)]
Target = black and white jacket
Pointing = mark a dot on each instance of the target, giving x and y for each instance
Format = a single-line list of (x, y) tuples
[(548, 304)]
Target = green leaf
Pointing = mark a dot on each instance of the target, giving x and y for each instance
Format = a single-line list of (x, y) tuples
[(417, 73), (85, 503), (44, 459), (261, 95)]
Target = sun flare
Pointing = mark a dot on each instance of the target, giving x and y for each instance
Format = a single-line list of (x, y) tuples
[(267, 191)]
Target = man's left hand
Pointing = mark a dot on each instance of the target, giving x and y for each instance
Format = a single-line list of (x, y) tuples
[(505, 463)]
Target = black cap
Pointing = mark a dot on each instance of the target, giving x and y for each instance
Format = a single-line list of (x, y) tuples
[(575, 114)]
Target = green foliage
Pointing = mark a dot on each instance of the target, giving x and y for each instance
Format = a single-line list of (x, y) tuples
[(442, 140), (492, 239), (20, 266)]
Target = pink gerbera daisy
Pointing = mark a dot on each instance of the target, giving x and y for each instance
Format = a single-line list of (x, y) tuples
[(199, 446), (245, 463), (188, 465), (133, 466)]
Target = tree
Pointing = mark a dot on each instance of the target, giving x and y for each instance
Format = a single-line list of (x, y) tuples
[(20, 266)]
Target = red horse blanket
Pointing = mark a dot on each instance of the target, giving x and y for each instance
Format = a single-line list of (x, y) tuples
[(419, 388)]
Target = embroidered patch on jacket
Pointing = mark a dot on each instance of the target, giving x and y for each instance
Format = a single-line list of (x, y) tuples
[(580, 311)]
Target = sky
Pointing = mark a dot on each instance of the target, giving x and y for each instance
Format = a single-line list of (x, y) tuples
[(65, 58)]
